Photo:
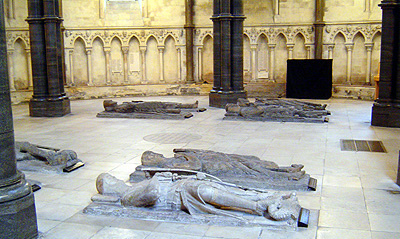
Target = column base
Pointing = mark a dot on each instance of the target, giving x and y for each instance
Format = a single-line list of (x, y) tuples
[(49, 108), (386, 115), (220, 99), (18, 218)]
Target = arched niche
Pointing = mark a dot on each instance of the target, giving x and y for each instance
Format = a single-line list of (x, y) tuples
[(376, 54), (263, 57), (80, 63), (152, 61), (339, 60), (98, 62), (359, 63), (281, 59), (170, 61), (299, 49), (21, 79), (208, 60), (134, 72), (117, 62)]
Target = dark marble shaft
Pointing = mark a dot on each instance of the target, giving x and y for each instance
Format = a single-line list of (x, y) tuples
[(49, 98), (228, 52), (17, 205), (386, 109)]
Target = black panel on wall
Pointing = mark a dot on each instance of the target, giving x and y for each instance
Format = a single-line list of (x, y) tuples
[(309, 79)]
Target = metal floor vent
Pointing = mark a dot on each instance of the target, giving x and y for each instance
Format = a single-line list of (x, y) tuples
[(362, 145)]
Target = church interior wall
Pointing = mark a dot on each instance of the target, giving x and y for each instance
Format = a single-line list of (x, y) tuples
[(141, 43)]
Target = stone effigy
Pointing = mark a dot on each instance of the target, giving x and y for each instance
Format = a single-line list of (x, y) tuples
[(168, 195), (281, 110), (39, 158), (243, 170), (148, 110)]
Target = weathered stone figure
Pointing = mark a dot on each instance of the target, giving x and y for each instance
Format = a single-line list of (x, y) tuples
[(147, 107), (244, 170), (277, 110), (196, 195), (148, 110), (53, 157)]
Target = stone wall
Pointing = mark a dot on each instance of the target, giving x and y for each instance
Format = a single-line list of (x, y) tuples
[(117, 43)]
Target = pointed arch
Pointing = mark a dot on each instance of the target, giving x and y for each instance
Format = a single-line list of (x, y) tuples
[(152, 60), (99, 38), (20, 63), (169, 35), (80, 38), (25, 44), (263, 56), (376, 54), (339, 57), (80, 63), (134, 61), (170, 60), (299, 49), (281, 58), (99, 74), (359, 60), (207, 67), (151, 37), (206, 37), (117, 62)]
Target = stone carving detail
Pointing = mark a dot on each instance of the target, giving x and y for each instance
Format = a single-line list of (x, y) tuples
[(197, 195), (151, 109), (349, 32), (243, 170), (39, 158), (277, 110)]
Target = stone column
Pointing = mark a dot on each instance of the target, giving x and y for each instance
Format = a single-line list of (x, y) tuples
[(125, 51), (290, 47), (107, 51), (386, 109), (71, 67), (330, 50), (228, 52), (349, 47), (89, 65), (29, 64), (161, 54), (10, 60), (319, 25), (200, 63), (271, 61), (143, 63), (17, 204), (189, 33), (254, 66), (49, 99), (179, 52), (369, 47)]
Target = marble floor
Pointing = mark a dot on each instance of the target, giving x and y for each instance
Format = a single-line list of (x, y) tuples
[(356, 195)]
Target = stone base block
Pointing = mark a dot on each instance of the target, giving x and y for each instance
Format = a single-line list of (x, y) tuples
[(18, 218), (49, 108), (220, 99), (386, 115)]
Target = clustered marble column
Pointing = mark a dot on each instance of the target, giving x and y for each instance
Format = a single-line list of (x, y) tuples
[(228, 53), (386, 109), (49, 99), (17, 205)]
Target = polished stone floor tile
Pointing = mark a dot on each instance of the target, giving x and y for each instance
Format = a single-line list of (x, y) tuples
[(352, 191)]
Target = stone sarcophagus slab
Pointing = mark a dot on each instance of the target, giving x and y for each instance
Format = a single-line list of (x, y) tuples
[(243, 171), (149, 110), (278, 110)]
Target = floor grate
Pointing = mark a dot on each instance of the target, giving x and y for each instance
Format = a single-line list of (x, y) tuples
[(362, 145)]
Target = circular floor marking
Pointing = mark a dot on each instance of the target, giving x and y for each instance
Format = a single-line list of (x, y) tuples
[(172, 138)]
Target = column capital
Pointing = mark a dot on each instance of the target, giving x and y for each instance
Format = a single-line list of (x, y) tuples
[(88, 50), (107, 49), (272, 45), (369, 46), (290, 46), (125, 49), (349, 46)]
